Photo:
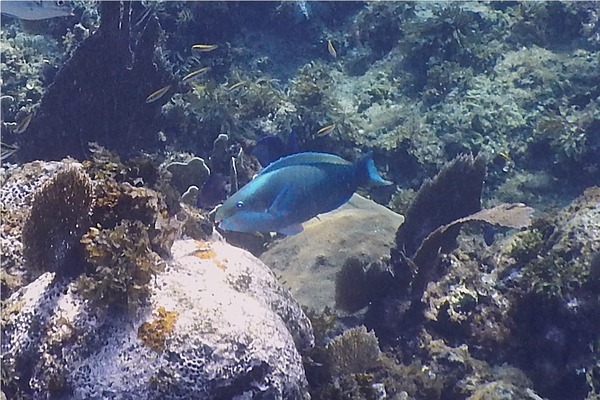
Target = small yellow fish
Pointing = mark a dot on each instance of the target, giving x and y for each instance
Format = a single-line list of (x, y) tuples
[(326, 130), (505, 155), (194, 74), (236, 85), (23, 124), (331, 48), (157, 94), (204, 47)]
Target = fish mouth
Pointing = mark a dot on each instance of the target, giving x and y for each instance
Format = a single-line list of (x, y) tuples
[(235, 225), (218, 214), (227, 224)]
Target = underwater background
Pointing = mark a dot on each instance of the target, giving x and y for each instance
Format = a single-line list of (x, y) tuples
[(124, 125)]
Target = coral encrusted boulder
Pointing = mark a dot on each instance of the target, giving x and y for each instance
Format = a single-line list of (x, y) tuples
[(217, 325)]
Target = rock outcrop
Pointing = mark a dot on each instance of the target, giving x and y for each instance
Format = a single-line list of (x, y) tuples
[(218, 325)]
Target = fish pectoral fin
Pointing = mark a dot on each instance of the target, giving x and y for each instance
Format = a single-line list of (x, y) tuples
[(281, 204), (293, 229)]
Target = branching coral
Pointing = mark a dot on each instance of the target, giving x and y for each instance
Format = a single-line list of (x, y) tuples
[(59, 216)]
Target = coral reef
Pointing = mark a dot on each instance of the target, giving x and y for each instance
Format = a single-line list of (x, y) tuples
[(554, 298), (72, 334), (111, 239), (461, 183), (456, 312), (445, 79), (411, 307), (526, 301), (432, 225)]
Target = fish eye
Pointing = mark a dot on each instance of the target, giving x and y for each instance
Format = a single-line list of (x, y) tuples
[(59, 3), (239, 204)]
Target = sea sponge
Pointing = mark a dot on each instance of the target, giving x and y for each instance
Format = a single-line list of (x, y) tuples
[(154, 334), (58, 218)]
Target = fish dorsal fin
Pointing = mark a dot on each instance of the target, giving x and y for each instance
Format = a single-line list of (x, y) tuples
[(307, 158)]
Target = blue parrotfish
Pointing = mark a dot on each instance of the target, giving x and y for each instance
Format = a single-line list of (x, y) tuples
[(36, 10), (293, 190)]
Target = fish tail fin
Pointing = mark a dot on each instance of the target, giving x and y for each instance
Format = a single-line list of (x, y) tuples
[(367, 173)]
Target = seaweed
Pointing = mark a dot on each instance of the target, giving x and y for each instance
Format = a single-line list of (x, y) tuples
[(132, 231), (121, 265)]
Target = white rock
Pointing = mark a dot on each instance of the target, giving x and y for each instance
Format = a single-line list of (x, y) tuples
[(236, 334)]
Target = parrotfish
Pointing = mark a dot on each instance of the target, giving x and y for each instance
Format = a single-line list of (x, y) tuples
[(36, 10), (293, 190)]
